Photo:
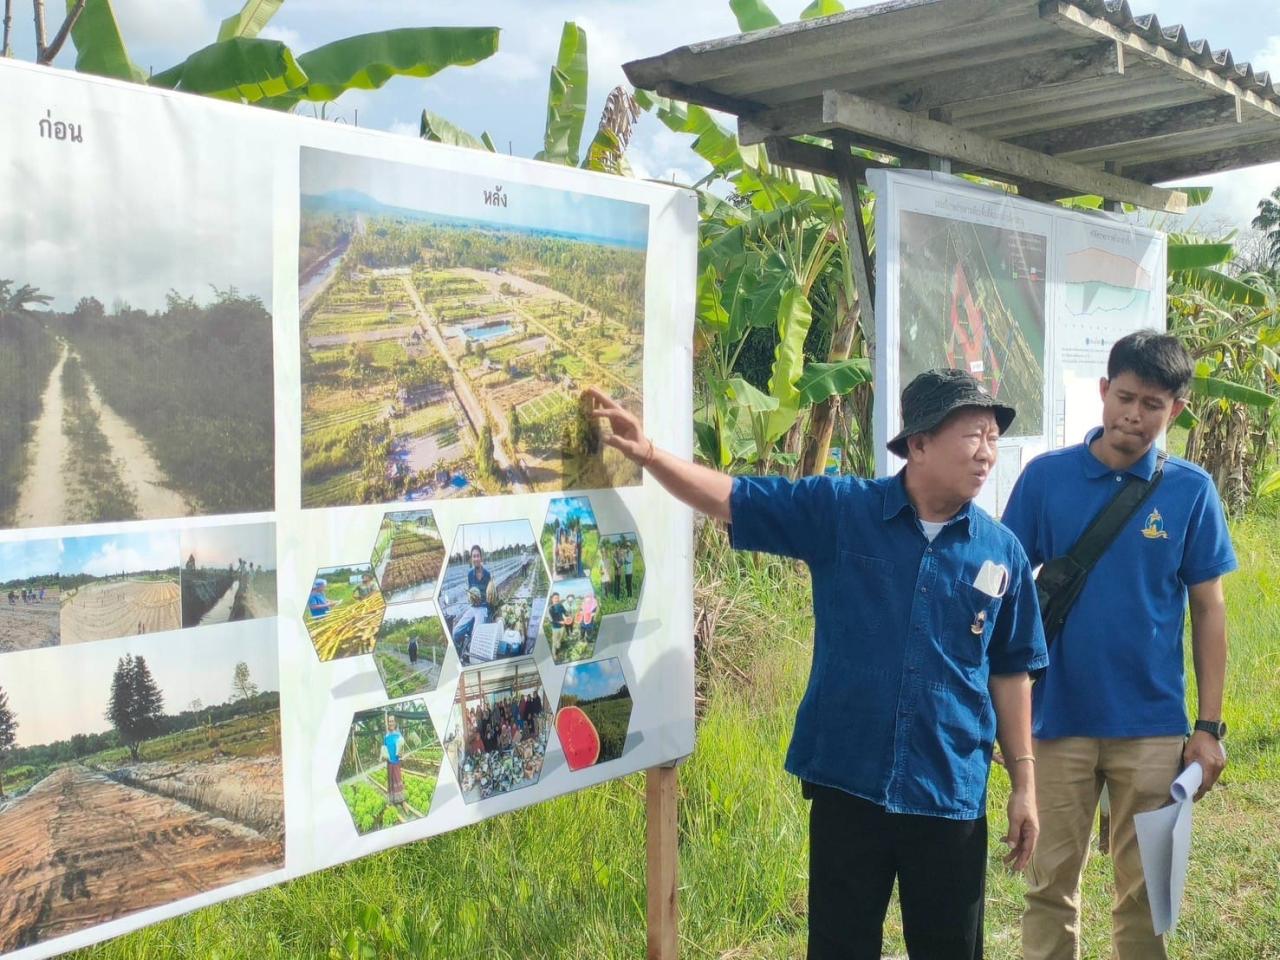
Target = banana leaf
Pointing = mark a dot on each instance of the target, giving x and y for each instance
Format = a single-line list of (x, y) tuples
[(753, 15), (237, 69), (821, 8), (368, 61), (1226, 390), (823, 380), (437, 129), (795, 316), (567, 99), (248, 23), (99, 46)]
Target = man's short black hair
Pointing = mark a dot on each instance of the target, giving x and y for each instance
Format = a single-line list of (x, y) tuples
[(1157, 358)]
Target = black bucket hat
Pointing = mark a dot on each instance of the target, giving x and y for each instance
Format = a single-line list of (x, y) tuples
[(932, 396)]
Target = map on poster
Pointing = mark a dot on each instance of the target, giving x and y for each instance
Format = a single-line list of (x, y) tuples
[(306, 547), (1027, 297)]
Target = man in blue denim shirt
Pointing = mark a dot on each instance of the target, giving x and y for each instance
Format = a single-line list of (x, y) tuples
[(926, 631)]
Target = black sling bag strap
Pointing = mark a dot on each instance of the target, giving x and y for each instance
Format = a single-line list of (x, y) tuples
[(1060, 580)]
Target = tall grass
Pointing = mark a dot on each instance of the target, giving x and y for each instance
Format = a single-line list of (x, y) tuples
[(565, 879)]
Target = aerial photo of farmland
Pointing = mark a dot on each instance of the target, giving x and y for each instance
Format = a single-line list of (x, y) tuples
[(973, 296), (448, 327), (144, 771)]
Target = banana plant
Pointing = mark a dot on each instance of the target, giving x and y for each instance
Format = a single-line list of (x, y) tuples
[(566, 116), (242, 66)]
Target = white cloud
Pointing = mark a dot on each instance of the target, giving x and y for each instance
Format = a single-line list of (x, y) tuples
[(159, 554), (290, 38), (180, 25), (1235, 198), (1268, 58), (404, 129)]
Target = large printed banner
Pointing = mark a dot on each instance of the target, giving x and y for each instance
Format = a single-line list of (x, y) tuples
[(306, 549), (1028, 297)]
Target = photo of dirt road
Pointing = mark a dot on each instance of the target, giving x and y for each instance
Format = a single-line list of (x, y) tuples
[(119, 585), (179, 793), (446, 334), (972, 296), (29, 595), (135, 345)]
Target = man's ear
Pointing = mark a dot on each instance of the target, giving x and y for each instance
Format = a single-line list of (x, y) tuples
[(1103, 386), (915, 444), (1176, 410)]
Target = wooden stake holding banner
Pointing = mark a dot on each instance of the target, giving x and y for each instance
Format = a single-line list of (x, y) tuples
[(662, 827)]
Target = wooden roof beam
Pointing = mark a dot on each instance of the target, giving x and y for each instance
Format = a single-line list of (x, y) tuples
[(823, 161), (866, 118), (1081, 141), (1214, 160), (1072, 18)]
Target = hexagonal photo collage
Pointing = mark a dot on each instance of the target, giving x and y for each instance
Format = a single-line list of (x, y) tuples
[(494, 591), (496, 739), (489, 597), (348, 604), (390, 765), (594, 575)]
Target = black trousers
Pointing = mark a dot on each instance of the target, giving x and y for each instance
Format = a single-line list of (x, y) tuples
[(857, 848)]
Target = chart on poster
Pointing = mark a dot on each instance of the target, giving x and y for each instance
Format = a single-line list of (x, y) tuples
[(1027, 297), (307, 548)]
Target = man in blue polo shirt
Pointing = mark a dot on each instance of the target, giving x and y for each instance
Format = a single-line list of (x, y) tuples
[(926, 627), (1112, 706)]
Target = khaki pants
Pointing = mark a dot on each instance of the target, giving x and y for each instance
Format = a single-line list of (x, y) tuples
[(1070, 773)]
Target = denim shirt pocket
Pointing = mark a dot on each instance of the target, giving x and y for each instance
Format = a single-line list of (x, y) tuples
[(968, 625)]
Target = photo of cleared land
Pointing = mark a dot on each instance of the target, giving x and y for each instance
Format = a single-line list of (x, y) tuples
[(408, 555), (973, 297), (446, 340), (135, 345), (410, 649), (366, 777), (29, 595), (494, 592), (119, 585), (145, 771), (344, 611), (228, 573), (593, 714)]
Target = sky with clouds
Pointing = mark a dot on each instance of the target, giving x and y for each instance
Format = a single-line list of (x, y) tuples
[(218, 546), (593, 680), (117, 553), (506, 95), (72, 697)]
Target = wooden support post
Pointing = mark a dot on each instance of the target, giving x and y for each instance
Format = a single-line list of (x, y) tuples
[(662, 827)]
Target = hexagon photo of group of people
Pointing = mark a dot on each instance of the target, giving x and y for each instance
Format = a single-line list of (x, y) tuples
[(490, 597)]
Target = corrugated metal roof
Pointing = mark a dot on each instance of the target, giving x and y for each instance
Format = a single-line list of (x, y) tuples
[(1086, 81)]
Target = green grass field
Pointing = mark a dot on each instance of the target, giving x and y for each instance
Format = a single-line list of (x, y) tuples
[(565, 879)]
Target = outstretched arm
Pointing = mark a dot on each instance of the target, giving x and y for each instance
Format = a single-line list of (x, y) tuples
[(702, 488)]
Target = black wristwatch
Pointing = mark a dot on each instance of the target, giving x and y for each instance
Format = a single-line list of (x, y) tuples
[(1215, 728)]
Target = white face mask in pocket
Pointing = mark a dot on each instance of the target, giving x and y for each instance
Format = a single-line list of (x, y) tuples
[(992, 579)]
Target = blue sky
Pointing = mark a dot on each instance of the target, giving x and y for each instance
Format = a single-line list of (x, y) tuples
[(118, 553), (506, 95), (576, 588), (18, 561), (462, 195), (592, 680), (566, 508)]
